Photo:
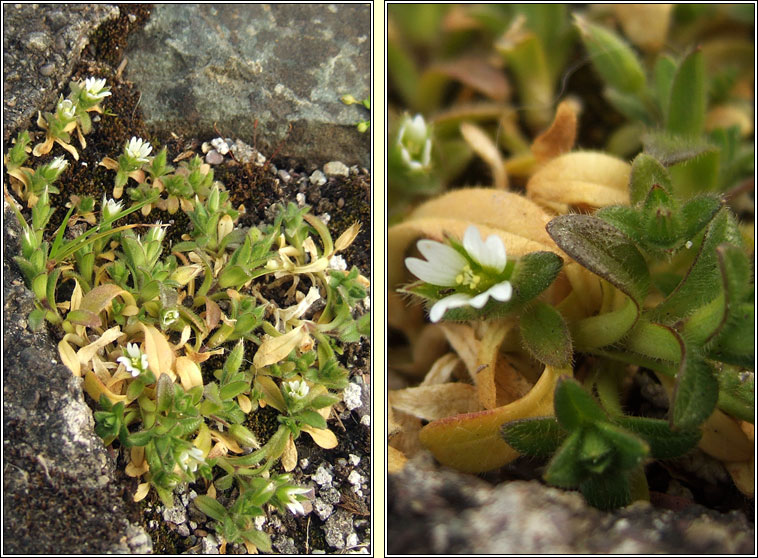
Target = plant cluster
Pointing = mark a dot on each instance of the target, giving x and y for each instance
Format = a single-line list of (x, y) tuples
[(612, 268), (143, 321)]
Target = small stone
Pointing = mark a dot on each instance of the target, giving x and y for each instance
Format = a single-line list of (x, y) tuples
[(60, 43), (304, 463), (47, 70), (355, 478), (132, 18), (322, 509), (210, 545), (183, 530), (351, 540), (300, 197), (366, 420), (206, 147), (336, 168), (177, 514), (213, 157), (284, 175), (220, 145), (354, 459), (322, 477), (341, 203), (318, 178), (352, 396)]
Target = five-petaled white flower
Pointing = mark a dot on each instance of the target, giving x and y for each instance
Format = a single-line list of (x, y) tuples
[(446, 267), (93, 89), (415, 142), (59, 164), (134, 360), (296, 389), (169, 316), (138, 149), (288, 496)]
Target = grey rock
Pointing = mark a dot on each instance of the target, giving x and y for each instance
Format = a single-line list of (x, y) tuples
[(435, 511), (59, 490), (285, 545), (34, 74), (213, 157), (322, 509), (337, 528), (271, 73)]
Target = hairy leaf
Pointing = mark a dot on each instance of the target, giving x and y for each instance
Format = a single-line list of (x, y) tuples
[(546, 336), (574, 406), (664, 442), (539, 437)]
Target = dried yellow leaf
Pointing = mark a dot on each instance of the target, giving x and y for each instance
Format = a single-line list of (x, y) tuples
[(322, 436), (68, 357), (142, 491), (560, 136), (203, 439), (347, 237), (160, 357), (289, 457), (276, 349), (443, 370), (436, 402), (95, 388), (189, 372), (271, 393), (228, 441), (85, 354), (244, 402), (481, 143)]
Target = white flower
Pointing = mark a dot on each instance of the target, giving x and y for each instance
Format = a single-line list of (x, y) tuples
[(190, 459), (93, 89), (169, 317), (138, 149), (66, 109), (288, 497), (110, 208), (59, 164), (296, 389), (135, 361), (415, 143), (446, 267)]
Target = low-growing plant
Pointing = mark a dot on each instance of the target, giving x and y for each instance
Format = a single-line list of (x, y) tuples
[(145, 317)]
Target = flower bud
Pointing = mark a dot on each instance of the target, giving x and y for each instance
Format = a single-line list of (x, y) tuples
[(415, 143)]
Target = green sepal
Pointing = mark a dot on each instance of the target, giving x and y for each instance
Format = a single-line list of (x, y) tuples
[(538, 437), (647, 172), (565, 469), (574, 406), (545, 335), (664, 442), (606, 492), (629, 448), (661, 219), (604, 250)]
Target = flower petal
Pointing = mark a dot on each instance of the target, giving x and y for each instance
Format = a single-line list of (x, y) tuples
[(472, 242), (495, 253), (502, 291), (441, 254), (443, 305), (430, 273)]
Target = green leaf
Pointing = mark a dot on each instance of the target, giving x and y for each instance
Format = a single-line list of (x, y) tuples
[(233, 276), (141, 438), (624, 218), (574, 406), (233, 389), (688, 102), (312, 418), (36, 319), (698, 175), (736, 273), (604, 329), (533, 273), (597, 453), (612, 57), (697, 212), (539, 437), (737, 393), (210, 507), (135, 389), (654, 341), (604, 250), (735, 342), (670, 149), (696, 392), (606, 492), (260, 539), (664, 443), (164, 393), (663, 72), (545, 335), (703, 281), (565, 469)]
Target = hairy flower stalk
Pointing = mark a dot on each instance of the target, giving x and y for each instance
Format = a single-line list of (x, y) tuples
[(476, 277)]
